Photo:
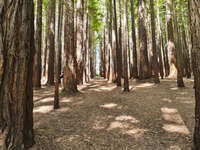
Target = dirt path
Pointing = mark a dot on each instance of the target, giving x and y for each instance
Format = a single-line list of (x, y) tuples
[(102, 117)]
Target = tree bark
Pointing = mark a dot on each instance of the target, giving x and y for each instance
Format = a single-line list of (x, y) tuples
[(118, 57), (58, 60), (38, 46), (194, 7), (144, 62), (79, 40), (134, 67), (125, 46), (51, 41), (16, 88), (70, 82), (155, 57)]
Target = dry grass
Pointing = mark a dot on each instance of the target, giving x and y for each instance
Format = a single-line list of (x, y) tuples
[(102, 117)]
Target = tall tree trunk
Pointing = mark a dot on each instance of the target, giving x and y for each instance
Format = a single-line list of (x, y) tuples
[(185, 45), (118, 57), (79, 40), (70, 83), (45, 55), (144, 62), (104, 53), (134, 69), (16, 88), (51, 41), (159, 45), (179, 56), (120, 39), (110, 45), (174, 65), (194, 7), (155, 58), (58, 60), (125, 46), (38, 46)]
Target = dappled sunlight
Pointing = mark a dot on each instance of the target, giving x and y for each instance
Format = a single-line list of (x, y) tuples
[(43, 109), (176, 128), (125, 124), (175, 147), (1, 140), (174, 88), (168, 110), (177, 124), (66, 100), (173, 118), (106, 88), (118, 124), (45, 100), (101, 116), (136, 132), (166, 100), (127, 118), (143, 85), (109, 105), (127, 128)]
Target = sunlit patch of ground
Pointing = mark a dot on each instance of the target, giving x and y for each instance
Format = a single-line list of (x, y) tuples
[(1, 141), (103, 117)]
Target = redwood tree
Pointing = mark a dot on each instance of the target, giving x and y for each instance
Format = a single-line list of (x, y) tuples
[(38, 45), (144, 62), (79, 40), (51, 41), (70, 83), (16, 89), (134, 69), (155, 58), (194, 7)]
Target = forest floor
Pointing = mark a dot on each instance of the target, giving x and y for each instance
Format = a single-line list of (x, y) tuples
[(102, 117)]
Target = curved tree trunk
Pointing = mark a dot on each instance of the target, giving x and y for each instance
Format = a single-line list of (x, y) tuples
[(16, 89)]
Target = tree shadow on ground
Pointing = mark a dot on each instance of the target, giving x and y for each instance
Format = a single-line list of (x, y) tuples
[(103, 117)]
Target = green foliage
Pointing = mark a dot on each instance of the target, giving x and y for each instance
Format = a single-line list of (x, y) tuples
[(96, 14)]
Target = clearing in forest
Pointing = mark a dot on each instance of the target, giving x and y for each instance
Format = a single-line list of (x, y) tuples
[(102, 117)]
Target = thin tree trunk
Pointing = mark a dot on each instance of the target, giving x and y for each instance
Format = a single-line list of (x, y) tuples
[(125, 46), (58, 63), (159, 45), (16, 88), (45, 56)]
